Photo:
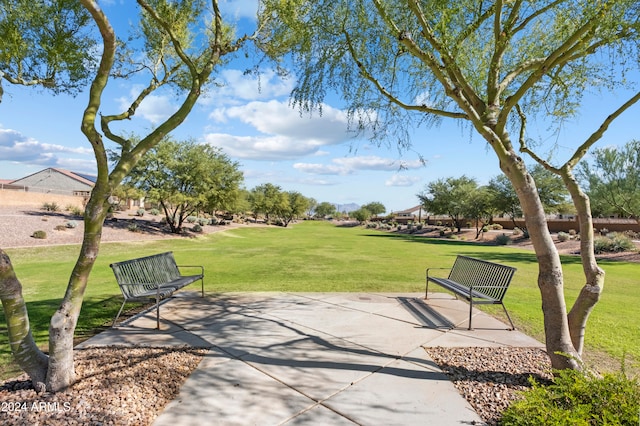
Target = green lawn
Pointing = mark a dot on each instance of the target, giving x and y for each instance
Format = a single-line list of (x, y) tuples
[(318, 256)]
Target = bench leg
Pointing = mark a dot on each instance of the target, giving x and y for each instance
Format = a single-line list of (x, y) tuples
[(158, 309), (118, 316), (513, 327)]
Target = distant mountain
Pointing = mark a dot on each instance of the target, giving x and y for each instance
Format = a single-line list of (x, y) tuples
[(346, 207)]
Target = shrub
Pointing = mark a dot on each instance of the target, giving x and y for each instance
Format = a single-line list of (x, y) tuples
[(442, 232), (75, 210), (196, 228), (496, 226), (51, 207), (419, 226), (517, 231), (71, 224), (203, 221), (154, 212), (578, 398), (572, 232), (191, 219), (133, 227), (613, 243), (41, 235), (633, 235), (503, 240), (60, 228), (140, 212), (563, 236)]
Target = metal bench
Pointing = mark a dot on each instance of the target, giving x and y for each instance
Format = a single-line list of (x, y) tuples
[(478, 281), (154, 277)]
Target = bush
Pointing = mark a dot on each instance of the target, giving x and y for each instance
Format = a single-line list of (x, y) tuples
[(140, 212), (60, 228), (203, 221), (496, 226), (503, 240), (196, 228), (191, 219), (563, 236), (41, 235), (133, 227), (578, 398), (517, 231), (75, 210), (51, 207), (71, 224), (154, 212), (613, 243)]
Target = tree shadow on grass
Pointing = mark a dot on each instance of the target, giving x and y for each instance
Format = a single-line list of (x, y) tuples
[(480, 250)]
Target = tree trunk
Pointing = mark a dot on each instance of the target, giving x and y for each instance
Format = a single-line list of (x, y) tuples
[(590, 293), (550, 278), (25, 351), (61, 372)]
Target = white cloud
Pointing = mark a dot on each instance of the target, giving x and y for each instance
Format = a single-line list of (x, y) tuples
[(153, 108), (240, 8), (18, 148), (234, 87), (321, 169), (284, 133), (373, 162), (402, 180)]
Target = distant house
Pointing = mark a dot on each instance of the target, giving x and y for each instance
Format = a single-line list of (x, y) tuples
[(57, 181), (416, 213)]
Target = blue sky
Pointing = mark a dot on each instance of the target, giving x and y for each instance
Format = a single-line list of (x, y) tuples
[(315, 155)]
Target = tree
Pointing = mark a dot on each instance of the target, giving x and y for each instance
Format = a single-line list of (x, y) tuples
[(612, 179), (375, 208), (552, 192), (173, 57), (325, 209), (296, 205), (479, 208), (185, 177), (493, 65), (361, 214), (311, 206), (47, 44), (451, 197), (269, 200)]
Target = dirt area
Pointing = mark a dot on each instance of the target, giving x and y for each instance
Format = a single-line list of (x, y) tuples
[(17, 227)]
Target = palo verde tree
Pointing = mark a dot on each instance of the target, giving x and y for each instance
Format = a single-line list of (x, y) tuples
[(451, 197), (186, 177), (48, 44), (182, 43), (295, 206), (552, 191), (492, 65), (612, 179)]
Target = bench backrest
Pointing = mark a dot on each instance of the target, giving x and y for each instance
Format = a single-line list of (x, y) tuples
[(156, 269), (469, 272)]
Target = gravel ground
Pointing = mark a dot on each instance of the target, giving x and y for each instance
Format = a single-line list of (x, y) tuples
[(115, 386), (17, 225), (491, 378)]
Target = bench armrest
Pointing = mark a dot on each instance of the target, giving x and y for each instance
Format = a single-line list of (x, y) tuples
[(193, 266), (432, 269)]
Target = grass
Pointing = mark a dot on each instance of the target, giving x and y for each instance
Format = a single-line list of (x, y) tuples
[(320, 257)]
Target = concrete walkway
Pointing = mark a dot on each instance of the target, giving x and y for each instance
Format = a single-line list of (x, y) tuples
[(315, 358)]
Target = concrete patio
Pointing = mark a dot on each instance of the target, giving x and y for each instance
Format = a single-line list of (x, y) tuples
[(315, 358)]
